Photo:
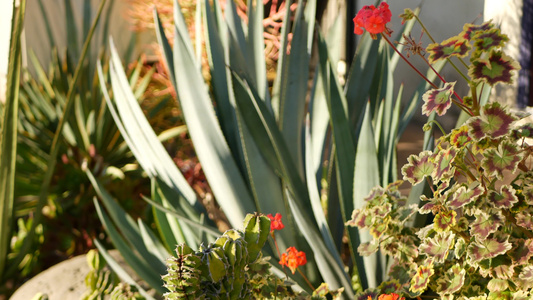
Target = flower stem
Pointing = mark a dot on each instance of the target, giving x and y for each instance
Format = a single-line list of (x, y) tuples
[(448, 59), (408, 62), (306, 280), (438, 125), (277, 248)]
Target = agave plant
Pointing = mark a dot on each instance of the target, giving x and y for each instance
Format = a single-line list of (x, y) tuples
[(263, 148)]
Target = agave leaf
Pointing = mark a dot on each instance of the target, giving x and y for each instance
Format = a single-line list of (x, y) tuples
[(269, 139), (140, 265), (132, 123), (318, 125), (344, 150), (153, 244), (314, 195), (293, 88), (213, 152), (169, 210), (367, 176), (278, 81), (255, 49), (191, 233), (221, 79), (235, 28), (122, 274), (128, 228), (331, 269), (360, 77), (72, 32)]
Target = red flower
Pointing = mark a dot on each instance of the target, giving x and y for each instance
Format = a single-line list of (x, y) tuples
[(293, 259), (373, 19), (275, 222), (391, 296)]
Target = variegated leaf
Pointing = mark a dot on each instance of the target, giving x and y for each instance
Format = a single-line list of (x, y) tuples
[(504, 158), (505, 199), (488, 248), (465, 195), (496, 68), (420, 281), (444, 220), (493, 122), (438, 100), (418, 167), (485, 224), (452, 281), (438, 246), (455, 46)]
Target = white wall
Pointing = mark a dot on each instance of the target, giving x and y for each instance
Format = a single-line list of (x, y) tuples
[(37, 37), (6, 12), (507, 14)]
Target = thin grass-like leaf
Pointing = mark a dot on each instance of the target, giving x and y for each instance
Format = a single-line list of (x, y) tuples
[(43, 195), (139, 265), (121, 273), (8, 137), (128, 227)]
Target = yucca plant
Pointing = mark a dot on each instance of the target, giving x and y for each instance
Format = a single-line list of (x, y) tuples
[(263, 148)]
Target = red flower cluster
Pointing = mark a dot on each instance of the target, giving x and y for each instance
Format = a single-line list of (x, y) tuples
[(373, 19), (275, 222), (293, 259), (391, 296)]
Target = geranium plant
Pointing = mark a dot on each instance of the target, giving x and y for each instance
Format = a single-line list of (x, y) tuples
[(480, 242)]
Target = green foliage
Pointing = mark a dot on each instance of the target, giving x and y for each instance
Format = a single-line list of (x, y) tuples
[(479, 243), (8, 139), (225, 269)]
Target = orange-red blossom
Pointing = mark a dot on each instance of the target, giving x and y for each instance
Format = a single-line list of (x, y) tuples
[(391, 296), (373, 19), (275, 222), (293, 259)]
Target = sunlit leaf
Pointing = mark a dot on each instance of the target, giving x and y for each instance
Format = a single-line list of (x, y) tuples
[(438, 246), (469, 30), (452, 281), (497, 67), (438, 100), (454, 46), (444, 168), (420, 281), (488, 248), (505, 199), (485, 224), (418, 167), (444, 220), (489, 39), (464, 195), (494, 122), (525, 219), (505, 158)]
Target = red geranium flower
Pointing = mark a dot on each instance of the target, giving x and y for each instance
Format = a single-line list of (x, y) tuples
[(373, 19), (391, 296), (293, 259), (275, 222)]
